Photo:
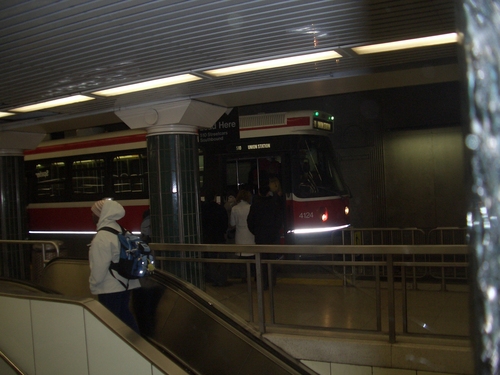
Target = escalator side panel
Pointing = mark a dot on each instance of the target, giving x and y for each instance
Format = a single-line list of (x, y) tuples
[(183, 321), (200, 341), (70, 278)]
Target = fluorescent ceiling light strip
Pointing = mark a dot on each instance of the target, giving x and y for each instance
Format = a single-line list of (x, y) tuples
[(276, 63), (53, 103), (183, 78), (406, 44), (5, 114)]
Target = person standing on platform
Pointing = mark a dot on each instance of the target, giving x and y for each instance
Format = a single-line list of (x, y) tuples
[(214, 222), (104, 249), (230, 202), (146, 226), (238, 220), (265, 222)]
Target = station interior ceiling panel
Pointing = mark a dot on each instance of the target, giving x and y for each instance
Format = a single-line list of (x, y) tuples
[(54, 49)]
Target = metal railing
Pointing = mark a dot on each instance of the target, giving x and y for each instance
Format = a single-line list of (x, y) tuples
[(448, 235), (410, 236), (379, 236), (395, 270), (383, 236), (393, 265)]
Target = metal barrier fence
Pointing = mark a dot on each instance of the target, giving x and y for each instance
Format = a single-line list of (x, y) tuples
[(409, 236), (393, 265), (448, 235), (383, 236)]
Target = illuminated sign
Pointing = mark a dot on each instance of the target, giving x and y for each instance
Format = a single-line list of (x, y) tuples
[(256, 146), (322, 125), (259, 146)]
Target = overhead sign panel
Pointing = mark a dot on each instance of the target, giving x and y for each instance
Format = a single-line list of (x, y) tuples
[(225, 129)]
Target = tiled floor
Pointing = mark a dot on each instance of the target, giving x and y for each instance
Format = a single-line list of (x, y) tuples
[(326, 303)]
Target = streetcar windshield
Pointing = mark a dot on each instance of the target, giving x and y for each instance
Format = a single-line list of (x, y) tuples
[(315, 172)]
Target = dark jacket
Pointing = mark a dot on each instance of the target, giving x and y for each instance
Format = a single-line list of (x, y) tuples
[(214, 222), (265, 220)]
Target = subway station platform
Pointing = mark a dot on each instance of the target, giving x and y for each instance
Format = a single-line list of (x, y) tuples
[(328, 325), (333, 327)]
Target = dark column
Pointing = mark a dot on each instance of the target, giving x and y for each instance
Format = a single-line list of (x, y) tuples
[(14, 259), (13, 218), (173, 169), (173, 196)]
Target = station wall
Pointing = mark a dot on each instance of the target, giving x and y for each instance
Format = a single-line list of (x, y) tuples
[(401, 152)]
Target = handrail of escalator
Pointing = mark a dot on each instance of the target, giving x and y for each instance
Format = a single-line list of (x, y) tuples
[(236, 323)]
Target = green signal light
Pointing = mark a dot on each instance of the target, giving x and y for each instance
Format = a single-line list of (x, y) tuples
[(316, 113)]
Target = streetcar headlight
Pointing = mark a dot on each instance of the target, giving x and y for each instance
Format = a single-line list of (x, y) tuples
[(324, 216), (346, 210)]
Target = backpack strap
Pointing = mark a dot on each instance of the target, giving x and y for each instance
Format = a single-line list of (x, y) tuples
[(111, 269), (109, 229), (112, 230)]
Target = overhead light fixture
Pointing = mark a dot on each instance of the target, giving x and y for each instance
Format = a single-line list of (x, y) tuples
[(53, 103), (156, 83), (275, 63), (406, 44), (5, 114)]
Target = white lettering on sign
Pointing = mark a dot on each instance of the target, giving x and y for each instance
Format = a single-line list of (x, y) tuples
[(258, 146), (42, 174), (220, 131), (225, 125)]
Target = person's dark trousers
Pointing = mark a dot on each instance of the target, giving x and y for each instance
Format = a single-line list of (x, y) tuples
[(118, 304)]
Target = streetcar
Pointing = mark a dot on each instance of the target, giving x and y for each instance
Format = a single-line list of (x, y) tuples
[(294, 148)]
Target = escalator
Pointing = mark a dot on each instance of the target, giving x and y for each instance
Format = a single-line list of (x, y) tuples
[(185, 324)]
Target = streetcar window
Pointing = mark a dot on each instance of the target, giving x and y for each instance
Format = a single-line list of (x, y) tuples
[(130, 173), (316, 173), (50, 177), (88, 176), (239, 173), (252, 173)]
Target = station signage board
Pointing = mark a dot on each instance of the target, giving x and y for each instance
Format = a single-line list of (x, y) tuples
[(224, 130)]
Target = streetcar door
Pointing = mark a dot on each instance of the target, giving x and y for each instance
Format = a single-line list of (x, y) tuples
[(252, 173)]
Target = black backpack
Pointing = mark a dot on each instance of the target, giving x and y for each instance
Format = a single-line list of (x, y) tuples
[(136, 259)]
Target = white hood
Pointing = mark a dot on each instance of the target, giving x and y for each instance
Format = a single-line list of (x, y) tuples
[(111, 211)]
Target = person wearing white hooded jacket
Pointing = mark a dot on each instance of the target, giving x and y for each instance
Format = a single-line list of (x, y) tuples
[(104, 249)]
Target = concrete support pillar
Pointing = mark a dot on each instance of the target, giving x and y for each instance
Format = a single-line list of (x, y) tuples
[(13, 218), (174, 195), (14, 260), (173, 169), (12, 197)]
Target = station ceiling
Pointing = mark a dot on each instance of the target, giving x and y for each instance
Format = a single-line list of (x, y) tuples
[(54, 49)]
